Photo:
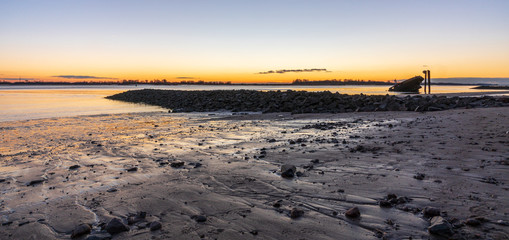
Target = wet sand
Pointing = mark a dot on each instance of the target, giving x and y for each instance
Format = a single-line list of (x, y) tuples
[(58, 173)]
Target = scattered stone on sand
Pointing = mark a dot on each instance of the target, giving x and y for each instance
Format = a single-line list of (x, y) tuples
[(115, 226), (440, 226), (296, 213), (385, 204), (353, 213), (155, 226), (431, 212), (81, 230), (288, 171), (133, 169), (199, 218), (138, 217), (393, 200), (419, 176), (35, 182), (111, 190), (74, 167), (473, 222), (490, 180), (196, 165), (177, 164)]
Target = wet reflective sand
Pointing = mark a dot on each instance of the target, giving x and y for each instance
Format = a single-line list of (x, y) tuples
[(57, 173)]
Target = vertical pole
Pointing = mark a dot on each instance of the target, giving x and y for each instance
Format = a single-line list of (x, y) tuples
[(429, 82), (425, 77)]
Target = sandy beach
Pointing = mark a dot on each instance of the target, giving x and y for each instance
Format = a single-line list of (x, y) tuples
[(218, 176)]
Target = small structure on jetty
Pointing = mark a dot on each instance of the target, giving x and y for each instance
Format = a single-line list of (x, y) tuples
[(409, 85), (414, 84)]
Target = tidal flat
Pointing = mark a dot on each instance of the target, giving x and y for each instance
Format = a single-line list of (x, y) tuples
[(219, 176)]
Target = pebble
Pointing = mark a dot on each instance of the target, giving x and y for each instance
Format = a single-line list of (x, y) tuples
[(74, 167), (176, 164), (115, 226), (296, 213), (419, 176), (288, 171), (35, 182), (140, 216), (199, 218), (431, 212), (155, 226), (353, 213), (81, 230), (440, 226)]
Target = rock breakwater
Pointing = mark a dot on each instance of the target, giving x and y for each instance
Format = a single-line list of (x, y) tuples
[(298, 101)]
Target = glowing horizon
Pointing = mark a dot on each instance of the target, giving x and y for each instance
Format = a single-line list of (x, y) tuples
[(233, 41)]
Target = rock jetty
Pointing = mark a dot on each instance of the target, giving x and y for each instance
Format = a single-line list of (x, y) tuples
[(298, 101)]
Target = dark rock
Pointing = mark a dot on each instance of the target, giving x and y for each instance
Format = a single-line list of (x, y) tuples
[(254, 232), (385, 204), (353, 213), (133, 169), (391, 196), (402, 200), (140, 216), (111, 190), (474, 222), (7, 223), (199, 218), (296, 213), (2, 180), (440, 226), (23, 223), (431, 212), (74, 167), (155, 226), (288, 171), (115, 226), (81, 230), (419, 176), (177, 164), (35, 182), (272, 140)]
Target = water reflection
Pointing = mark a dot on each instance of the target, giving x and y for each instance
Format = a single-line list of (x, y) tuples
[(33, 102)]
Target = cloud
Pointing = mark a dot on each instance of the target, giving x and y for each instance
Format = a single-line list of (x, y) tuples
[(18, 79), (295, 71), (82, 77), (185, 78)]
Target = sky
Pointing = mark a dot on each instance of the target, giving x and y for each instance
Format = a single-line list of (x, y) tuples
[(251, 41)]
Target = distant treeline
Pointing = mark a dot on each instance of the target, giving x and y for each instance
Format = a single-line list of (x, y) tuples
[(122, 82), (339, 82), (191, 82)]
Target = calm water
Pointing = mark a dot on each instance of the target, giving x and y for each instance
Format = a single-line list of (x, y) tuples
[(33, 102)]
